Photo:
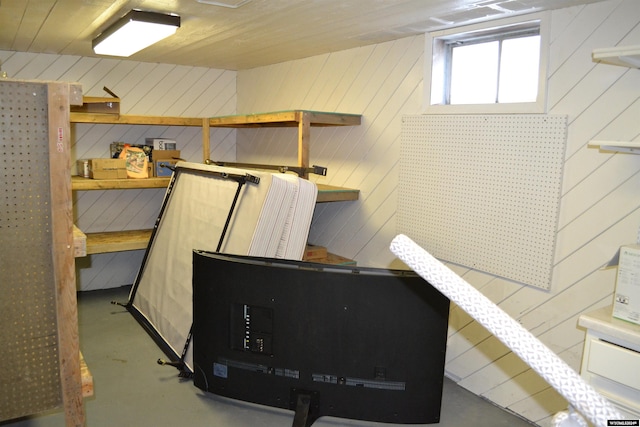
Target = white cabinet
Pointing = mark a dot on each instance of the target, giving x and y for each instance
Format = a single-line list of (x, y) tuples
[(611, 359)]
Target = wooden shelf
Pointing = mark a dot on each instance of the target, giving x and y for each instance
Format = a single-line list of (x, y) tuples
[(291, 118), (329, 193), (276, 119), (95, 243), (121, 119), (117, 241), (326, 193), (80, 183), (303, 120)]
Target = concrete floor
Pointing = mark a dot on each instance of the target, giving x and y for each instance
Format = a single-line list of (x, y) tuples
[(132, 390)]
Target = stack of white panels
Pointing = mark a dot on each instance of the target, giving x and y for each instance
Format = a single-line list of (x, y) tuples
[(270, 219)]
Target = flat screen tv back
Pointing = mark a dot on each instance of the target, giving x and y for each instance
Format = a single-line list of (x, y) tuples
[(358, 343)]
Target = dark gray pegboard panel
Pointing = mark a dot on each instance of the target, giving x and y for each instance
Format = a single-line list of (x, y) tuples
[(483, 191), (30, 374)]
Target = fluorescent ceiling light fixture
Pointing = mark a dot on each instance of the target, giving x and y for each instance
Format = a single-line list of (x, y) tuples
[(135, 31)]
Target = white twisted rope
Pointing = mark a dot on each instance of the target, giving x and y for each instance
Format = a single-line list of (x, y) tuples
[(524, 344), (569, 418)]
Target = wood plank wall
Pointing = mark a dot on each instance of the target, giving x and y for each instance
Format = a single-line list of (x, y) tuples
[(600, 208), (145, 89)]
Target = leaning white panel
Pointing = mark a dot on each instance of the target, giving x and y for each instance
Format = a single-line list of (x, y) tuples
[(197, 205)]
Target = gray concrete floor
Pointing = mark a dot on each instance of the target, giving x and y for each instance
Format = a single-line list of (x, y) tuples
[(132, 390)]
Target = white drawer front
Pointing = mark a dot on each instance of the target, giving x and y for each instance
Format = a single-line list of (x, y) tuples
[(614, 362)]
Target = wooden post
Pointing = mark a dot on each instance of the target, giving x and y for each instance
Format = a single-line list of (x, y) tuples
[(63, 253), (304, 134), (206, 136)]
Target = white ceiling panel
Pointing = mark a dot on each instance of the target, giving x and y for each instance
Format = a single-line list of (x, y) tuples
[(242, 34)]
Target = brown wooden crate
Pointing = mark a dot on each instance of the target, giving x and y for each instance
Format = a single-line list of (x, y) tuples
[(313, 252)]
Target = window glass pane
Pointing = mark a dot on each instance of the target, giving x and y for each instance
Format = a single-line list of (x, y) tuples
[(474, 73), (519, 63)]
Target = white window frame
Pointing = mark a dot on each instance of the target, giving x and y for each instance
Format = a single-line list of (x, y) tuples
[(435, 64)]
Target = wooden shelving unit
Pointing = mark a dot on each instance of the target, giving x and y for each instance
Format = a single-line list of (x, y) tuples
[(302, 119), (326, 193), (117, 241), (120, 119), (84, 184), (138, 239)]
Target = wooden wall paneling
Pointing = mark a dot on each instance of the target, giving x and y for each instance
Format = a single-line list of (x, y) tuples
[(355, 91), (119, 72), (363, 225), (80, 67), (587, 261), (621, 182), (464, 339), (57, 68), (570, 28), (36, 66), (598, 99), (520, 387), (540, 405), (385, 81), (583, 161), (143, 88), (496, 373), (385, 139), (17, 61), (109, 270), (213, 94), (93, 75), (341, 98), (338, 63), (595, 22), (306, 90), (248, 101)]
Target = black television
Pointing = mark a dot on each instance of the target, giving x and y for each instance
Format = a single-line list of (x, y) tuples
[(320, 340)]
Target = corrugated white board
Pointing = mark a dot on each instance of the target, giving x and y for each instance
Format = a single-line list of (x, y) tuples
[(483, 191)]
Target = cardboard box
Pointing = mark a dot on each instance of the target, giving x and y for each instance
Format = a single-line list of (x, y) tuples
[(83, 168), (161, 143), (93, 104), (626, 303), (163, 167), (107, 168), (163, 158), (165, 155)]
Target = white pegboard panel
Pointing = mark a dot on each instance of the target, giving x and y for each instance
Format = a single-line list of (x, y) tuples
[(483, 191)]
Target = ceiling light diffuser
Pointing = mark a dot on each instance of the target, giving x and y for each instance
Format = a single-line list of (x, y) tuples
[(135, 31)]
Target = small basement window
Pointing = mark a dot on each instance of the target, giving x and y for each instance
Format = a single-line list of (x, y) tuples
[(499, 69)]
